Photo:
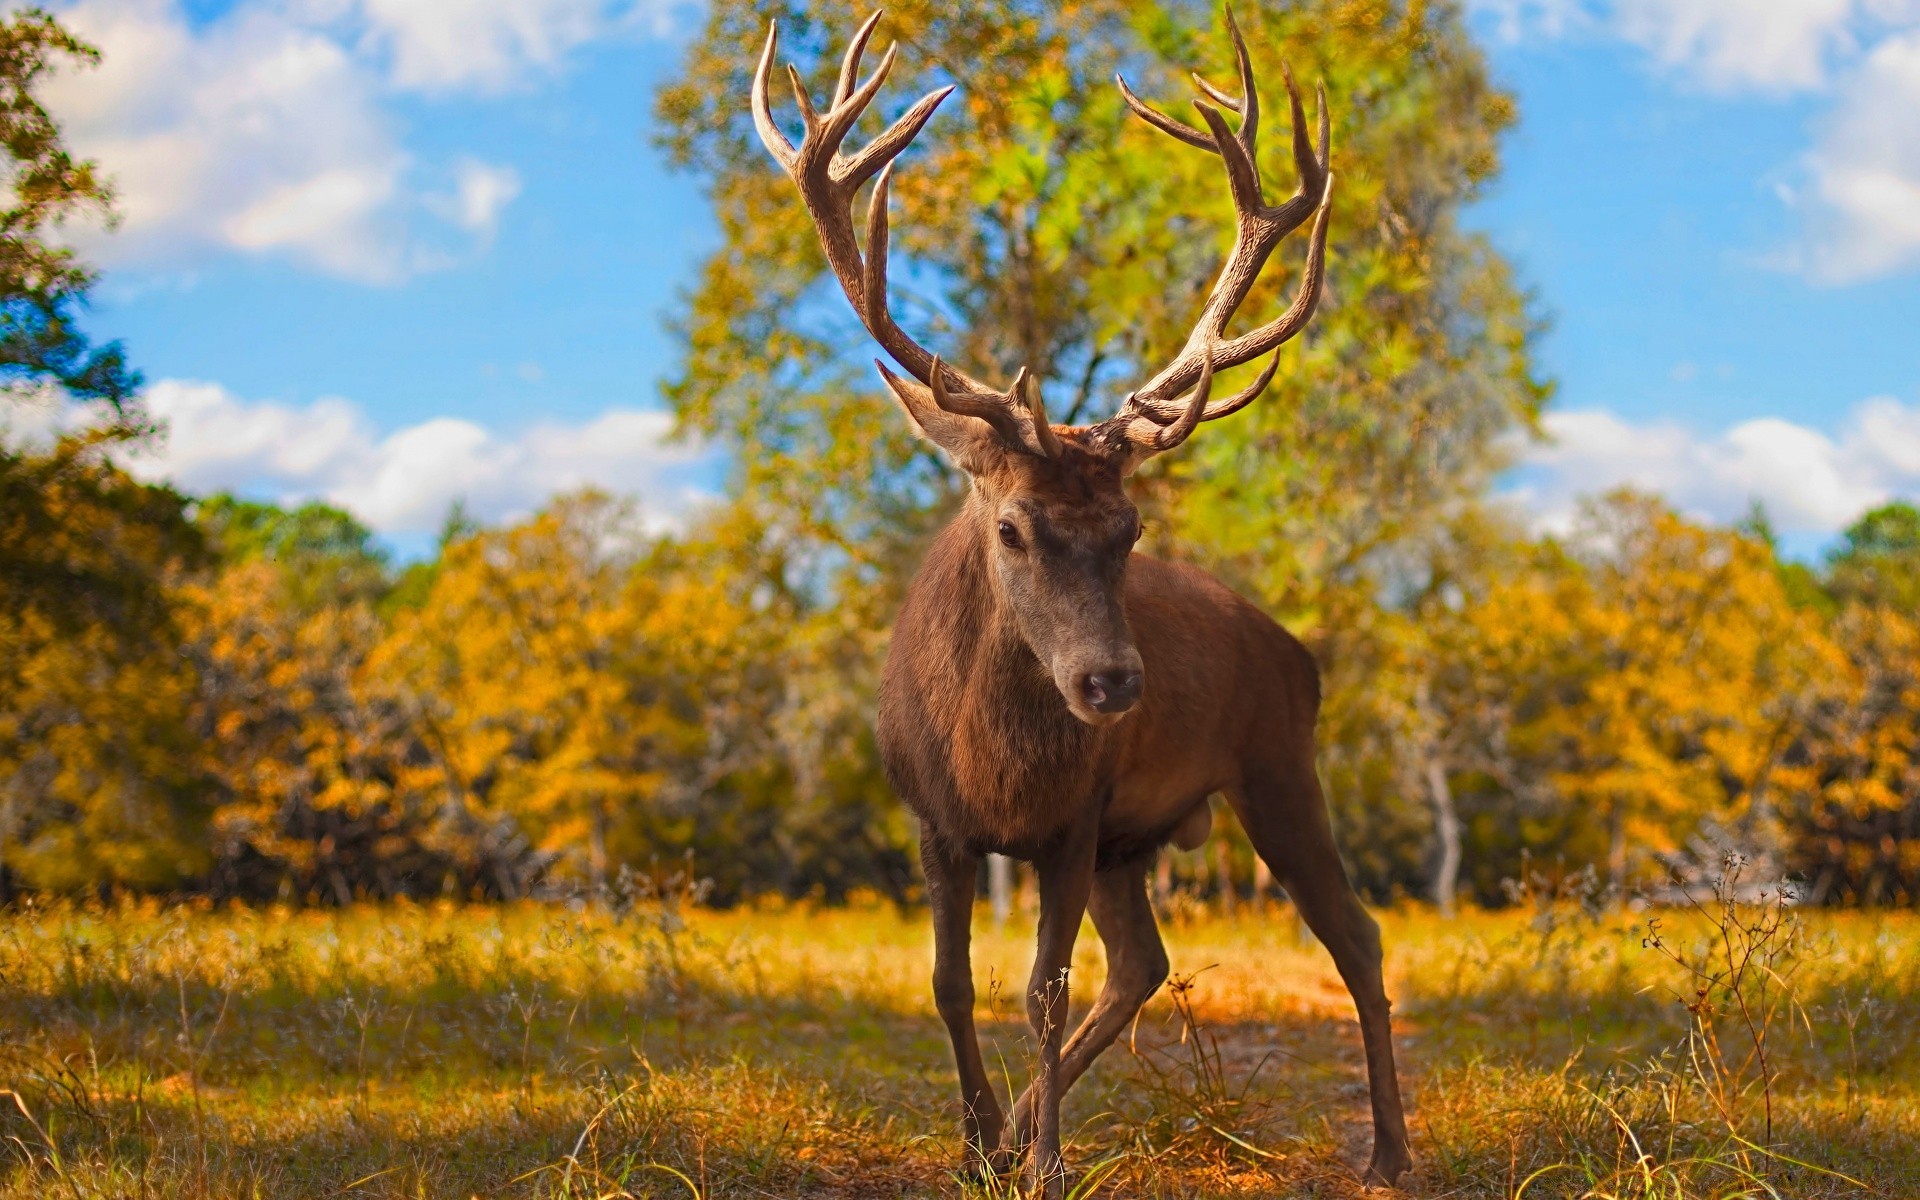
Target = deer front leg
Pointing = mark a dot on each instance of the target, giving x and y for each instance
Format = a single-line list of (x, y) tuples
[(1066, 878), (950, 883), (1136, 967)]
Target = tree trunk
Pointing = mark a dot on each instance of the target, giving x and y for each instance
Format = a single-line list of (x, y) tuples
[(597, 851), (1223, 867), (1446, 829), (1000, 887), (1617, 852)]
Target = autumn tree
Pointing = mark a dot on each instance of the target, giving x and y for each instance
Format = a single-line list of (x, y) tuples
[(1856, 823), (98, 779), (1635, 680)]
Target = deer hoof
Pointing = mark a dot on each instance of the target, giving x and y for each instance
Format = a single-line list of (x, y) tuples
[(987, 1166), (1386, 1168), (1048, 1179)]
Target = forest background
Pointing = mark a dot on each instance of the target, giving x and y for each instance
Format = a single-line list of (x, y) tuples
[(214, 694)]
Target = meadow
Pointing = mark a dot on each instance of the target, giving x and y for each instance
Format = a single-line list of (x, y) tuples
[(655, 1048)]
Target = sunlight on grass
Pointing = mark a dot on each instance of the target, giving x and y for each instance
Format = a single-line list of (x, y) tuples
[(539, 1051)]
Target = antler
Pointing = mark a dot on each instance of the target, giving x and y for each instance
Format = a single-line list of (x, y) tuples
[(1260, 228), (828, 181)]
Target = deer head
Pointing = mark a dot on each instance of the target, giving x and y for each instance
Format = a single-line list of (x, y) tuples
[(1050, 501)]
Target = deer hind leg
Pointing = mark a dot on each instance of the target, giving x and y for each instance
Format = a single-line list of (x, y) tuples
[(950, 885), (1286, 818), (1136, 967)]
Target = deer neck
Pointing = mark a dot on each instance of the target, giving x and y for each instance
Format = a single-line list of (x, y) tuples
[(990, 650), (1019, 756)]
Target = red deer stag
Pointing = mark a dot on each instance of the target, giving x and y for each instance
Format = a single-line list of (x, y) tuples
[(1053, 696)]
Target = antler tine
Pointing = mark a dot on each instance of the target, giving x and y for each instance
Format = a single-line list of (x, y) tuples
[(1311, 167), (1259, 229), (1249, 95), (1243, 173), (993, 409), (1230, 103), (850, 63), (1037, 410), (1247, 103), (843, 115), (1138, 436), (805, 102), (770, 133), (898, 136), (1245, 396), (1196, 138), (1169, 436)]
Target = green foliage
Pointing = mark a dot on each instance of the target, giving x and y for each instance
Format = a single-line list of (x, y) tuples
[(1878, 561), (1038, 224), (328, 556), (42, 283)]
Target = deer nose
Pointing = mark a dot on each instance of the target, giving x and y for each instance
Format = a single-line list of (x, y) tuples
[(1111, 691)]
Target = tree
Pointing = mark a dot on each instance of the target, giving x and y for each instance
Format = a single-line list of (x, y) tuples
[(1856, 823), (329, 557), (100, 781), (47, 561), (1855, 819), (328, 783), (1047, 228), (1647, 675), (97, 783), (1878, 560), (42, 283), (1037, 224)]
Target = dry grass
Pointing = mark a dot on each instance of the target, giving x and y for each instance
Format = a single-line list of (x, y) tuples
[(539, 1051)]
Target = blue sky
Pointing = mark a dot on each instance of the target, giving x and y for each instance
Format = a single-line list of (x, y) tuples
[(398, 252)]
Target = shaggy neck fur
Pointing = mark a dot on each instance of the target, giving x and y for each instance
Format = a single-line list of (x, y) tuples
[(1016, 763)]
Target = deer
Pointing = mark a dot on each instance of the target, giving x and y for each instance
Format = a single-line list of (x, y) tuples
[(1049, 693)]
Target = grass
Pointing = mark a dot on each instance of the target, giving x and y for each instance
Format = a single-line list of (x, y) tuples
[(528, 1050)]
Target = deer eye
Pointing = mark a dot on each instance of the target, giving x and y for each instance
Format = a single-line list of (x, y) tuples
[(1009, 536)]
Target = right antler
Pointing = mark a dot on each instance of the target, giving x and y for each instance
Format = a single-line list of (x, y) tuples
[(1260, 228), (828, 182)]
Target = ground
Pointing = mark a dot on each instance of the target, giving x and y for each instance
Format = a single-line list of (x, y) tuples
[(792, 1051)]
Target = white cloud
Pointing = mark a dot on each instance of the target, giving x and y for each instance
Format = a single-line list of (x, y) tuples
[(1864, 202), (266, 131), (1860, 200), (488, 45), (481, 192), (254, 134), (1810, 482), (1722, 45), (1773, 45), (1515, 20), (403, 482)]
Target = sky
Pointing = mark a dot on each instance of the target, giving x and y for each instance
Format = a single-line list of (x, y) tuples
[(398, 253)]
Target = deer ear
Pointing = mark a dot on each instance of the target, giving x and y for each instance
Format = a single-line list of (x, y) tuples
[(969, 441)]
